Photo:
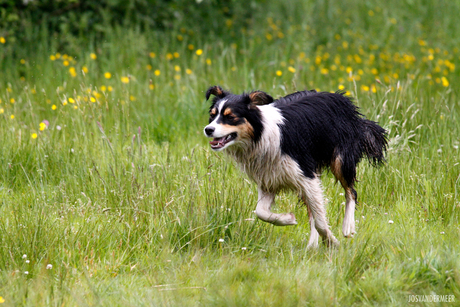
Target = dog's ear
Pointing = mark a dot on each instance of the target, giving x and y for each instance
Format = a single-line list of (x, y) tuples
[(216, 91), (260, 98)]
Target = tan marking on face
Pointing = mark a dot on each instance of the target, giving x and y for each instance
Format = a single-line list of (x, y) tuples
[(227, 111), (213, 111), (246, 131)]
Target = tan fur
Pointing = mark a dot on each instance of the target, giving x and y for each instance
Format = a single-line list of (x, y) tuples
[(227, 111), (246, 131), (336, 169), (213, 111), (259, 98)]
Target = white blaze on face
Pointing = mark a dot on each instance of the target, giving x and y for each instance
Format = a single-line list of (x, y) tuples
[(217, 130)]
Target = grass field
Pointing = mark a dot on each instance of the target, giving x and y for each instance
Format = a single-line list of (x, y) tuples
[(111, 196)]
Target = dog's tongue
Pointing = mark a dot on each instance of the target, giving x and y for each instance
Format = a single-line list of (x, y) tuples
[(217, 141)]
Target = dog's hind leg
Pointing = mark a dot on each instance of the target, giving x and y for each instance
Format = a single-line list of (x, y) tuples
[(312, 196), (346, 180), (313, 242), (263, 212)]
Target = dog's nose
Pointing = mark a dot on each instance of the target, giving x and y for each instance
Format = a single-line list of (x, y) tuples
[(209, 130)]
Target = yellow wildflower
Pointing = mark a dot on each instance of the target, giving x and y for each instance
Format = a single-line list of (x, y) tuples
[(2, 111), (34, 135), (151, 86), (208, 61), (199, 52), (12, 100), (84, 69), (93, 56), (108, 75), (72, 71), (279, 73), (176, 54), (291, 69), (149, 67), (42, 126), (71, 100), (109, 88), (444, 81), (52, 58), (2, 40), (103, 88), (188, 71), (53, 107), (92, 99), (12, 116), (177, 68), (125, 79), (157, 72), (191, 47), (66, 63), (152, 54)]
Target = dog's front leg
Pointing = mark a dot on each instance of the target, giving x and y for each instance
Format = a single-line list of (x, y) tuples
[(263, 212)]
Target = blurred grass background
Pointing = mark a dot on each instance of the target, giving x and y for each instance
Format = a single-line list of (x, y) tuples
[(110, 195)]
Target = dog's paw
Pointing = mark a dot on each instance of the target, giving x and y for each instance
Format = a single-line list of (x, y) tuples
[(313, 242), (292, 220), (285, 219), (348, 229)]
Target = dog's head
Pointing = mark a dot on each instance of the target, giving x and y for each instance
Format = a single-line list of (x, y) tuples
[(234, 119)]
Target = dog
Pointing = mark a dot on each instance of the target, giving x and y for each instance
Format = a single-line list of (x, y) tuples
[(284, 144)]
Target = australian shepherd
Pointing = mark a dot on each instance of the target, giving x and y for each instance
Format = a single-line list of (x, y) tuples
[(286, 143)]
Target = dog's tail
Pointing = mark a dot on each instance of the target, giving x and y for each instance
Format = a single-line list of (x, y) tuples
[(375, 142)]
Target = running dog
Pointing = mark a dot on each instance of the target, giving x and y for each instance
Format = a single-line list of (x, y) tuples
[(286, 143)]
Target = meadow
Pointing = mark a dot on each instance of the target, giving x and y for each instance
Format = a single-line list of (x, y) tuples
[(111, 196)]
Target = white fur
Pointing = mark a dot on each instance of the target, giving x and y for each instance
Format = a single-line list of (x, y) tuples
[(348, 228)]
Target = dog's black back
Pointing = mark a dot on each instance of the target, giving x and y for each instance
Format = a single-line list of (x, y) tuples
[(321, 127)]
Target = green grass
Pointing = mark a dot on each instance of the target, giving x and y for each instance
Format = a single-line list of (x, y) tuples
[(126, 201)]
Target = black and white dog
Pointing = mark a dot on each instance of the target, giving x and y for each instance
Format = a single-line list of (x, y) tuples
[(285, 143)]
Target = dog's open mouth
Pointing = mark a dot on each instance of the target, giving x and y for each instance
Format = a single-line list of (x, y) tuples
[(218, 143)]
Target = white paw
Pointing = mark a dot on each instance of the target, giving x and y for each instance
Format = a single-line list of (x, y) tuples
[(285, 219), (348, 229), (313, 242)]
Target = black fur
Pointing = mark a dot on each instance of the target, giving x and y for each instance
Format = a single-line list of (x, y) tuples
[(319, 127)]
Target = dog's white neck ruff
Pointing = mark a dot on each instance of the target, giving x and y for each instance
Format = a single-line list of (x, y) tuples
[(263, 162)]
